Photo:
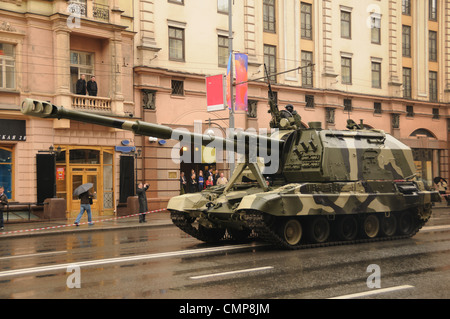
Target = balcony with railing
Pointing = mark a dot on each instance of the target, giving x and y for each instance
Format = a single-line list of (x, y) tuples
[(91, 103), (89, 9)]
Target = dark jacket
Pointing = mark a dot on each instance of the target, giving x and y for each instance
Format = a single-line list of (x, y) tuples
[(85, 197), (192, 183), (92, 88), (81, 87), (142, 198), (183, 184), (3, 201)]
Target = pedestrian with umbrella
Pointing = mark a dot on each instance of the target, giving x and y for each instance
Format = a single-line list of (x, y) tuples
[(86, 201)]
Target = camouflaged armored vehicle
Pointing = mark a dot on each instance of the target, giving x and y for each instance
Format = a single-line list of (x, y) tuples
[(329, 186)]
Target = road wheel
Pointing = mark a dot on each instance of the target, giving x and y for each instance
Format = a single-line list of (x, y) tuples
[(388, 225), (292, 232), (347, 228), (406, 223), (319, 230), (371, 226)]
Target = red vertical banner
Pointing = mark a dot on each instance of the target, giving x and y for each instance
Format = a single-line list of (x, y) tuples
[(215, 93), (241, 62)]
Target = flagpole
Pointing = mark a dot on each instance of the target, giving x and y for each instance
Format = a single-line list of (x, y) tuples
[(230, 49)]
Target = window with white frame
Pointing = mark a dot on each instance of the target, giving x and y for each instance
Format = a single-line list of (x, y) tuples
[(375, 35), (177, 1), (176, 44), (432, 10), (406, 7), (223, 51), (307, 70), (80, 63), (346, 70), (376, 75), (270, 59), (222, 6), (306, 20), (346, 24), (7, 66), (269, 16)]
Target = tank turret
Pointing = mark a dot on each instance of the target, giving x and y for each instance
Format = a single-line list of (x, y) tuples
[(326, 187)]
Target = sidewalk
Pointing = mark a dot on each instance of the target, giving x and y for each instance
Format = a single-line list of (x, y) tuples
[(35, 228)]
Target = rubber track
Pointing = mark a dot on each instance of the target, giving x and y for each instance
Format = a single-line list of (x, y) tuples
[(180, 220), (256, 222)]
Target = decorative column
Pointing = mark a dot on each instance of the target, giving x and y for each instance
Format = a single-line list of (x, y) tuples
[(147, 25), (419, 39), (395, 48), (250, 30), (444, 34), (116, 73), (327, 32)]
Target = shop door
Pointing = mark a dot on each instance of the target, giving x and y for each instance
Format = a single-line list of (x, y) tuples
[(82, 176)]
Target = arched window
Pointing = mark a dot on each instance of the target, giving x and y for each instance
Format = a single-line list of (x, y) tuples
[(422, 132)]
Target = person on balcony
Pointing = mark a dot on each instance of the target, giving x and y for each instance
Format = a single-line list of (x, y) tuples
[(81, 85), (92, 86)]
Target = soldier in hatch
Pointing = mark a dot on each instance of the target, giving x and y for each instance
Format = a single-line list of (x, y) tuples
[(289, 112)]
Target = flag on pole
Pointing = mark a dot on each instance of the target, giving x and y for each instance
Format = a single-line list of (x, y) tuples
[(228, 81), (241, 62)]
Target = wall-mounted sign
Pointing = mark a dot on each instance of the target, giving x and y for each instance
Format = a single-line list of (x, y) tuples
[(13, 130), (125, 149), (60, 173)]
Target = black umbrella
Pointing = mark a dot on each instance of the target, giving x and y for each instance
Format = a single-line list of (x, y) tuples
[(82, 189), (438, 179)]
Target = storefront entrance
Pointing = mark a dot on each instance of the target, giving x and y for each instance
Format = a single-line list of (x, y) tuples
[(6, 169), (80, 176), (77, 165), (423, 158)]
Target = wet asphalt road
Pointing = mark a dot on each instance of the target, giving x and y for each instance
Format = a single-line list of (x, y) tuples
[(164, 263)]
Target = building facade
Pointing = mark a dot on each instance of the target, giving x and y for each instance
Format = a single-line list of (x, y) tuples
[(383, 62), (45, 48)]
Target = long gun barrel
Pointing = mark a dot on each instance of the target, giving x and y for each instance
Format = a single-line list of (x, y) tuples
[(48, 110)]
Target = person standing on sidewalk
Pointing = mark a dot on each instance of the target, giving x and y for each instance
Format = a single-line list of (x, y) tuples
[(85, 206), (142, 198), (3, 202)]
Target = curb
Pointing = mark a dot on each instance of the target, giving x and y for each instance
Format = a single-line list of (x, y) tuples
[(72, 228)]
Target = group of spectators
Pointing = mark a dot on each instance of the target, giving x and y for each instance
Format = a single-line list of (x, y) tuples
[(84, 87), (194, 183)]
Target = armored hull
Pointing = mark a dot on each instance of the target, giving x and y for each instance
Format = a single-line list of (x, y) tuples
[(333, 187), (295, 216)]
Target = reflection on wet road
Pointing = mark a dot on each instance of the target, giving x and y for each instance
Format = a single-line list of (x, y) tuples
[(166, 263)]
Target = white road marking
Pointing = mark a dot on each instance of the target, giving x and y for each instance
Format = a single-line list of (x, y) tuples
[(373, 292), (34, 255), (433, 228), (231, 272), (97, 262)]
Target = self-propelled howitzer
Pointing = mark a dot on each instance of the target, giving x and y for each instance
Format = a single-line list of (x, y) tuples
[(316, 186)]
